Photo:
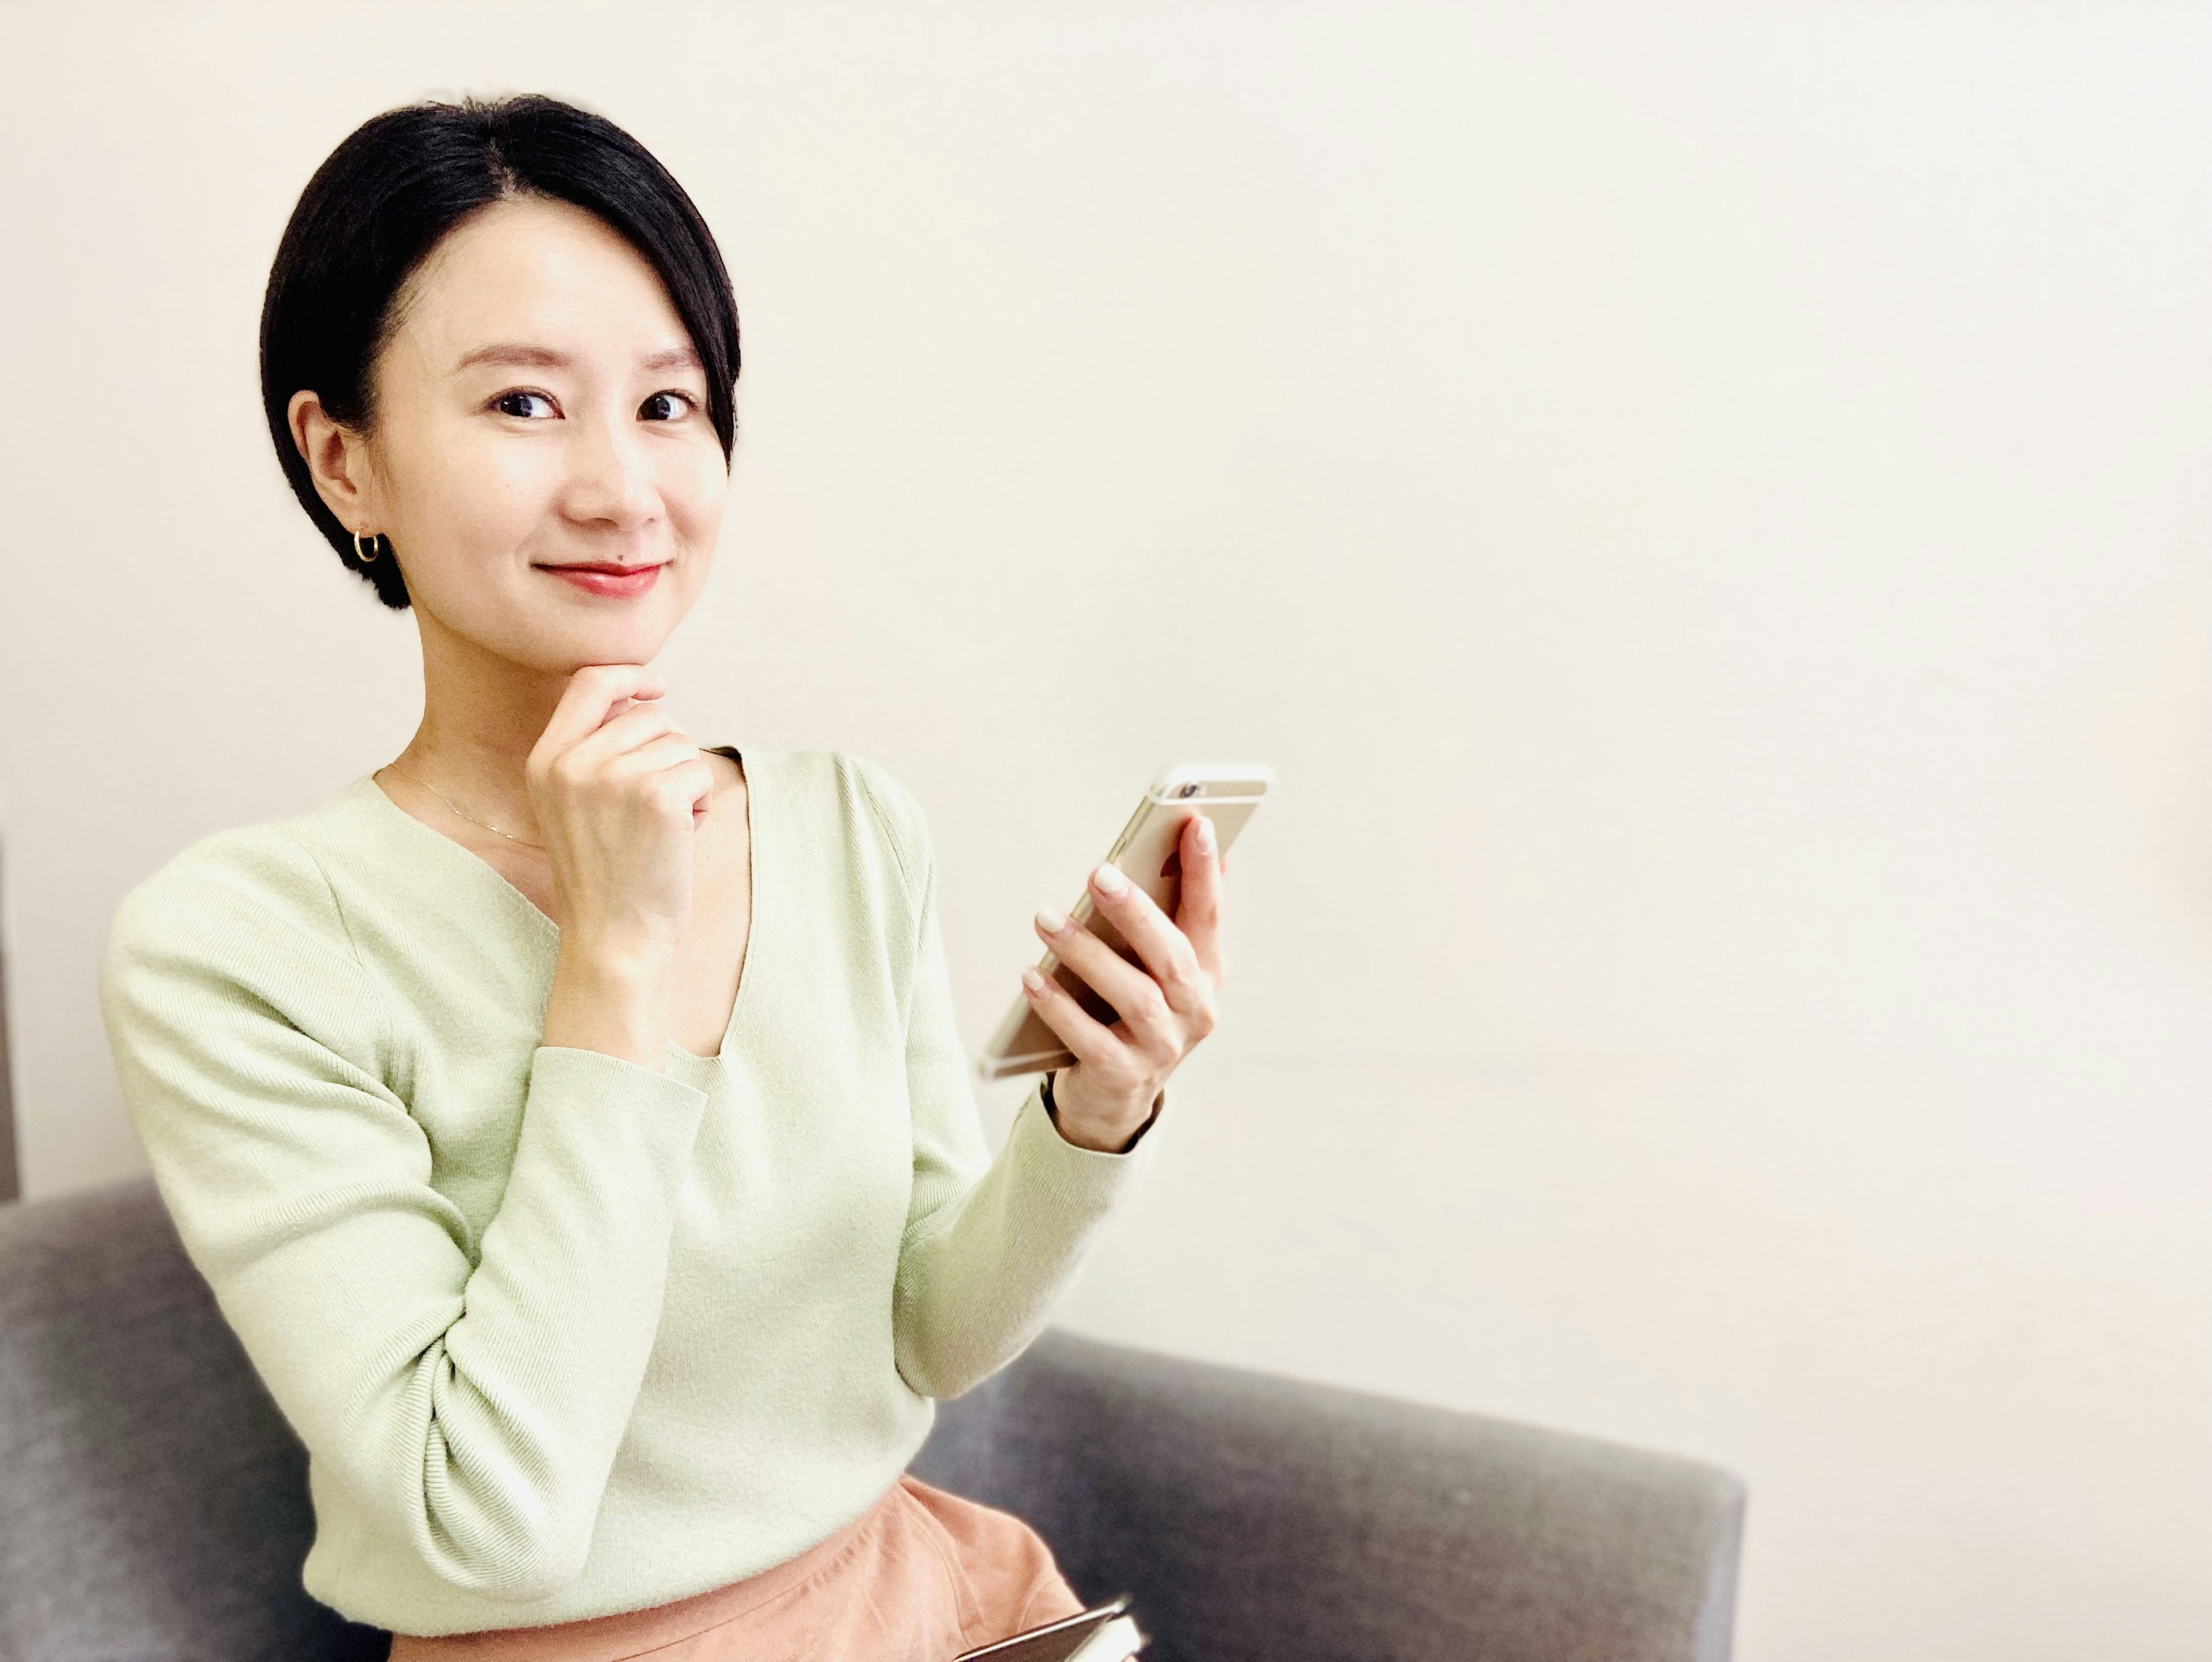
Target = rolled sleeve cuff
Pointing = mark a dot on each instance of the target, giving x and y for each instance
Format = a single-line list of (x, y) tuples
[(1083, 1180)]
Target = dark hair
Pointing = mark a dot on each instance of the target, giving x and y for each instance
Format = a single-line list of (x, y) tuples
[(398, 185)]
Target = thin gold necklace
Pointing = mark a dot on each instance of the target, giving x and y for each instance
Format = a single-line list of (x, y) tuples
[(464, 813)]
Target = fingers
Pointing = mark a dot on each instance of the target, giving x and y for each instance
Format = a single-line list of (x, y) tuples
[(625, 734), (1198, 908), (611, 727), (692, 779), (1166, 951), (1089, 1041), (1137, 999), (672, 760), (595, 693), (629, 726), (1163, 1005)]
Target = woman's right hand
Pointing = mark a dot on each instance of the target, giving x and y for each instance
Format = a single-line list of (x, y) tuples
[(617, 789)]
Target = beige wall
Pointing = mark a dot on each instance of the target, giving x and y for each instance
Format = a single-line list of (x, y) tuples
[(1703, 507)]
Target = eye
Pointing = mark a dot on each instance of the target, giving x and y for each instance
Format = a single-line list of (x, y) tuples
[(525, 406), (667, 407)]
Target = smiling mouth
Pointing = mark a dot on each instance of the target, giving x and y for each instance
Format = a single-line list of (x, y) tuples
[(622, 581)]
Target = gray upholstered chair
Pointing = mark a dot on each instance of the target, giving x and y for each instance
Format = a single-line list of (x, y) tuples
[(153, 1504)]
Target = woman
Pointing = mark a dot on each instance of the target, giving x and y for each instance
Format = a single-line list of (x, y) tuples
[(570, 1119)]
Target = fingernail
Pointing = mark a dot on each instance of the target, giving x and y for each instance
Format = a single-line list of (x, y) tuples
[(1204, 835), (1050, 921), (1109, 880), (1032, 982)]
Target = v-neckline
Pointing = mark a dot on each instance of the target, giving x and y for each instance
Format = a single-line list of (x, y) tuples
[(549, 932)]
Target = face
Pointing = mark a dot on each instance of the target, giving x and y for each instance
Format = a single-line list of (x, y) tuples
[(541, 454)]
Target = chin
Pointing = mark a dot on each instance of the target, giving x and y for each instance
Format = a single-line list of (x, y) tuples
[(556, 645), (637, 641), (554, 634)]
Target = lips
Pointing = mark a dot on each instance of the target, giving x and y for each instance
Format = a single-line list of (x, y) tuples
[(620, 581)]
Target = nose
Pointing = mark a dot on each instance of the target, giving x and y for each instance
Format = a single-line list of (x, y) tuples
[(609, 485)]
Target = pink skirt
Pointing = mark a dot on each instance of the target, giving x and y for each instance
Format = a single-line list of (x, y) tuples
[(921, 1576)]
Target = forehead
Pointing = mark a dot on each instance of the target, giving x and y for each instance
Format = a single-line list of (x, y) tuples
[(535, 272)]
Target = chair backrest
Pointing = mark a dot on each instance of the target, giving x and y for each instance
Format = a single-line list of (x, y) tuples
[(1261, 1519), (153, 1503)]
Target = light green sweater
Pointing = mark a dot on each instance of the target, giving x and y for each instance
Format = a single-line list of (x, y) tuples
[(564, 1335)]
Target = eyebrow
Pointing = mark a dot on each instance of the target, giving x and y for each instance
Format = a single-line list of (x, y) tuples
[(521, 355)]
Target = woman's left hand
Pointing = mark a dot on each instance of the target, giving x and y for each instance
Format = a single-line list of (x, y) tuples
[(1165, 1007)]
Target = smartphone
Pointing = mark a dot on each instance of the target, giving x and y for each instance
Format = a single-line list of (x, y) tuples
[(1107, 1634), (1148, 853)]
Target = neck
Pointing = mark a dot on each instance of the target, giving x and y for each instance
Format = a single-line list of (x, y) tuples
[(482, 716)]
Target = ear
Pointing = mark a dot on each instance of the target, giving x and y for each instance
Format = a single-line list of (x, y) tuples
[(338, 461)]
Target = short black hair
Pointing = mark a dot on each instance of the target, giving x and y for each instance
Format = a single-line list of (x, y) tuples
[(403, 181)]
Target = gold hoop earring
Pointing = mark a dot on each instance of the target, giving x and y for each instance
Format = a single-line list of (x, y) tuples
[(364, 547)]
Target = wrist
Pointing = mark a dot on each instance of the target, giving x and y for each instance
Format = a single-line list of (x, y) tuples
[(622, 963), (612, 1002), (1113, 1129)]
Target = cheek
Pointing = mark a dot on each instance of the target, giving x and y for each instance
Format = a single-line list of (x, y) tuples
[(490, 495), (693, 488), (462, 494)]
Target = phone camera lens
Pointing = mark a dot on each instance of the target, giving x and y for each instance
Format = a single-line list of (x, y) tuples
[(1191, 789)]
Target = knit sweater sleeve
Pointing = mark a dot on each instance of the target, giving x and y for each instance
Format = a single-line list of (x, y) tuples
[(989, 1243), (467, 1394)]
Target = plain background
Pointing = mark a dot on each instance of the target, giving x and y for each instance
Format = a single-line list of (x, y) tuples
[(1704, 507)]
